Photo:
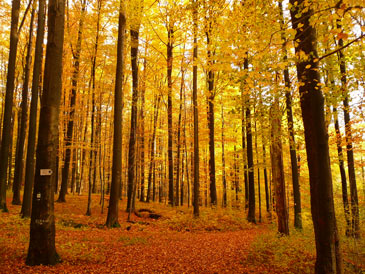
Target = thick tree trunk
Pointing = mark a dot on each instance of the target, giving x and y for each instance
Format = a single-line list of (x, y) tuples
[(112, 219), (37, 67), (6, 136), (19, 163), (312, 104), (42, 248)]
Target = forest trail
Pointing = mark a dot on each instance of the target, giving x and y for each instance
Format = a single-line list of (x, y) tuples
[(145, 246)]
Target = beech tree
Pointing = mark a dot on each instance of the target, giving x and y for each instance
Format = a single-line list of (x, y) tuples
[(42, 248), (37, 67), (112, 219), (8, 107), (329, 259)]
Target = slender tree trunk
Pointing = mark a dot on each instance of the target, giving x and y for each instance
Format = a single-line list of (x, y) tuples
[(152, 151), (133, 129), (19, 163), (42, 226), (224, 180), (244, 149), (355, 219), (170, 46), (210, 115), (70, 124), (251, 178), (177, 202), (112, 219), (312, 104), (342, 173), (277, 165), (195, 110), (37, 67), (289, 114), (6, 136), (143, 91), (258, 166)]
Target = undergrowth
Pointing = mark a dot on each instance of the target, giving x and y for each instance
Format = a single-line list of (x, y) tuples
[(209, 220)]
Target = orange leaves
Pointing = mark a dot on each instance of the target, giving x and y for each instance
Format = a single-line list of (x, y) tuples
[(144, 248)]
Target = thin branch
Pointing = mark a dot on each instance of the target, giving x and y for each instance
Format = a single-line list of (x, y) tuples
[(24, 16), (341, 48)]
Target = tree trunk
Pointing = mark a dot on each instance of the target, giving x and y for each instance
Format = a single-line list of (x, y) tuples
[(112, 219), (19, 164), (195, 110), (6, 136), (251, 179), (224, 181), (210, 115), (341, 165), (244, 149), (277, 166), (177, 202), (143, 91), (312, 104), (42, 248), (70, 124), (152, 151), (355, 219), (37, 68), (133, 129), (170, 46), (289, 114)]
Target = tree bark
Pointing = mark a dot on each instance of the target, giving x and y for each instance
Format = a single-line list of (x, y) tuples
[(341, 165), (277, 166), (355, 218), (312, 104), (210, 115), (42, 226), (177, 202), (289, 114), (6, 136), (170, 46), (133, 129), (195, 110), (37, 67), (251, 178), (152, 151), (224, 181), (70, 124), (112, 219), (19, 164)]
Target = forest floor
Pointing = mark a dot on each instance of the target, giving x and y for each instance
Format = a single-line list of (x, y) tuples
[(220, 241)]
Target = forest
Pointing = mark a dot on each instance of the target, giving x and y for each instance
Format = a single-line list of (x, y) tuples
[(173, 136)]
